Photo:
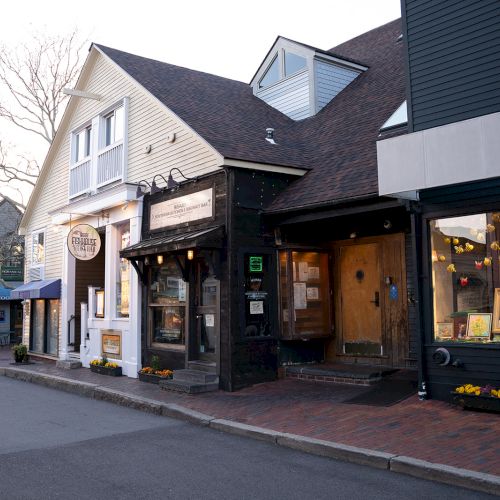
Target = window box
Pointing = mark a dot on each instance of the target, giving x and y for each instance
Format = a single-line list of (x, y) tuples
[(104, 370), (473, 402), (152, 378)]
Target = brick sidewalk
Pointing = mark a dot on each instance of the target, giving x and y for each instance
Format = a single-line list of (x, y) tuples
[(428, 430)]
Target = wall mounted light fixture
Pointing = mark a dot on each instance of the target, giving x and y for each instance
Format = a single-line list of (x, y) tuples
[(190, 254)]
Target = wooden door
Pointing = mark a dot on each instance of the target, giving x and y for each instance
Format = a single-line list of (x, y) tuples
[(360, 299)]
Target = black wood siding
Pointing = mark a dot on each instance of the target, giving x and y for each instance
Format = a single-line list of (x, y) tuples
[(453, 60)]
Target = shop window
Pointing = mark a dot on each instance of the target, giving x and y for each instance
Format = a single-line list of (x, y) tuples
[(466, 278), (44, 326), (304, 294), (123, 274), (167, 304)]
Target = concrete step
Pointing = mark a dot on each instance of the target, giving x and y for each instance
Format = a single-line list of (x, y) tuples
[(197, 376), (202, 366), (188, 387)]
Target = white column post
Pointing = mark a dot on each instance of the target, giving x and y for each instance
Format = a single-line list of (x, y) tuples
[(110, 272)]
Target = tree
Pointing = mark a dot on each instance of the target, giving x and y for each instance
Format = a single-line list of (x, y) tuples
[(32, 78)]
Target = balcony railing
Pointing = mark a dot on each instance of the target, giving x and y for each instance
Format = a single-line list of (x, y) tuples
[(97, 171)]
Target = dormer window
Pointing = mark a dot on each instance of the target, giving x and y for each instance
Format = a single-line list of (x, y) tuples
[(294, 63), (272, 75)]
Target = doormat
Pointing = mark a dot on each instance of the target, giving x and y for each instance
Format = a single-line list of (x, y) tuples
[(388, 392)]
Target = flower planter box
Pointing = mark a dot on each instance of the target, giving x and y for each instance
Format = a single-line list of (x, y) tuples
[(103, 370), (151, 378), (469, 401)]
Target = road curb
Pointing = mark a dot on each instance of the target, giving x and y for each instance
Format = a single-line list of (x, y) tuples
[(478, 481), (486, 483)]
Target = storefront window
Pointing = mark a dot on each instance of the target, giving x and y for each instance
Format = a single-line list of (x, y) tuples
[(167, 304), (123, 278), (466, 278), (44, 326), (304, 292)]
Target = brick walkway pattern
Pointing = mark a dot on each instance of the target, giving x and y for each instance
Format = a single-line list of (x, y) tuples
[(429, 430)]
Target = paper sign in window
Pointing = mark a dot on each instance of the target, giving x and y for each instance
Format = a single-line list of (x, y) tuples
[(312, 293), (256, 307), (299, 296), (209, 319)]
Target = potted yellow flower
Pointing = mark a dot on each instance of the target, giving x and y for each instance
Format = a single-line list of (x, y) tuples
[(153, 374), (476, 397), (105, 367)]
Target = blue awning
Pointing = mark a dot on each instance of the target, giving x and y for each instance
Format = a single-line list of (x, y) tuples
[(5, 293), (43, 289)]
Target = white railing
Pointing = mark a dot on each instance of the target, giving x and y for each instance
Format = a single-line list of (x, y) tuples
[(79, 178), (110, 164)]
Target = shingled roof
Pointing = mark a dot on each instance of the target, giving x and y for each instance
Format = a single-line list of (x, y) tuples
[(338, 144)]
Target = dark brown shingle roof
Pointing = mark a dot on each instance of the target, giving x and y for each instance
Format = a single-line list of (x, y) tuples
[(338, 144)]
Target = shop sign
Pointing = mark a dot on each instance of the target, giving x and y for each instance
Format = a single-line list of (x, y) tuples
[(12, 273), (255, 263), (111, 344), (84, 242), (188, 208)]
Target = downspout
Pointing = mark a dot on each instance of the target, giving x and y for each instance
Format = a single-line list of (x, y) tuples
[(415, 240), (229, 250)]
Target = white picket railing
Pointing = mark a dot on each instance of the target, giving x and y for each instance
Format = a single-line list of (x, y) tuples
[(79, 178), (110, 164)]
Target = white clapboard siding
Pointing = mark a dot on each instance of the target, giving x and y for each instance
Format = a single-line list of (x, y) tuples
[(330, 80), (290, 96), (149, 123)]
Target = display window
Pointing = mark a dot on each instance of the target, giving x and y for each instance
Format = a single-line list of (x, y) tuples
[(304, 294), (465, 256), (44, 326), (167, 304), (123, 274)]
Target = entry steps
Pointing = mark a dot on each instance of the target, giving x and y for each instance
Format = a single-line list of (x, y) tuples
[(340, 373), (199, 377)]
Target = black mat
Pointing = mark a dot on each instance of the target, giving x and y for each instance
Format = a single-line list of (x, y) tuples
[(386, 393)]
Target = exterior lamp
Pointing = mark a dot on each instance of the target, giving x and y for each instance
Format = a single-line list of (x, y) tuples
[(139, 193), (190, 254), (154, 187), (159, 259)]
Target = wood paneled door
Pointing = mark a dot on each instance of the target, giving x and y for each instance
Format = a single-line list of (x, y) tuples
[(371, 300)]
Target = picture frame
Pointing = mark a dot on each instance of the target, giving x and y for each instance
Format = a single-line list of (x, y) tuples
[(495, 327), (99, 303), (111, 344), (444, 330), (479, 325)]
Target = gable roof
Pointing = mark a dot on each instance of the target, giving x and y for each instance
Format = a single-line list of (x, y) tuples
[(338, 144)]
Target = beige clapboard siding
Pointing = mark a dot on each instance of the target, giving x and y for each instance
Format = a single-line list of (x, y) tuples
[(149, 123)]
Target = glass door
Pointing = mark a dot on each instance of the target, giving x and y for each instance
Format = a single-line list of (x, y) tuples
[(207, 311)]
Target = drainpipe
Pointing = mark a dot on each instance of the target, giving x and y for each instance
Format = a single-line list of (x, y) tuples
[(416, 227), (71, 318)]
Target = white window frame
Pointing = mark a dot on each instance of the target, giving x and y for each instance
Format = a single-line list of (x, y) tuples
[(33, 233), (280, 57)]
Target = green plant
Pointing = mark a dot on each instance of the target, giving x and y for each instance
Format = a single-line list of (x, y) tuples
[(20, 352), (155, 363)]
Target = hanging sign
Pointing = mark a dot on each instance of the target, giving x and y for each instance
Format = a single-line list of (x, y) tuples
[(84, 242)]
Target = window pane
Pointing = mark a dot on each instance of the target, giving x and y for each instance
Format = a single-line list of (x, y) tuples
[(77, 148), (284, 295), (119, 125), (466, 277), (310, 294), (38, 253), (109, 126), (272, 75), (52, 327), (293, 63), (37, 325), (88, 134), (167, 304), (123, 278)]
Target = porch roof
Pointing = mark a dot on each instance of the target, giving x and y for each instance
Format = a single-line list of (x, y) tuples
[(42, 289), (212, 237)]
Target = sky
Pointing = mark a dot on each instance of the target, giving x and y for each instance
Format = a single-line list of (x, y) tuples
[(223, 37)]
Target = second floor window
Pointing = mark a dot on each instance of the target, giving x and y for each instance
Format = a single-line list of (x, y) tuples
[(113, 126), (38, 249), (82, 144)]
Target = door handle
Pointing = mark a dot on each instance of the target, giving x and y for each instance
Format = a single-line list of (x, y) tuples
[(198, 316), (377, 300)]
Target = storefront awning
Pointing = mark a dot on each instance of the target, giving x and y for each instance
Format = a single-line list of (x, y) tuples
[(212, 237), (44, 289), (5, 293)]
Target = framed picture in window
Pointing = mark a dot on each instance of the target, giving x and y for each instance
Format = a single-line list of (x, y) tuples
[(479, 325), (99, 302), (444, 331), (496, 312)]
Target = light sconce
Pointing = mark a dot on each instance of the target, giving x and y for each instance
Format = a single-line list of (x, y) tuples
[(190, 254), (139, 193), (353, 235), (159, 259), (171, 183), (387, 224)]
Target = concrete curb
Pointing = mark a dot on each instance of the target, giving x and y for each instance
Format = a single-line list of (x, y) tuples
[(486, 483), (478, 481)]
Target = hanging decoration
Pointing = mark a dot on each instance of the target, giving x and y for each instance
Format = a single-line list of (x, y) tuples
[(441, 258), (456, 241), (490, 228), (487, 261), (451, 268), (478, 264), (496, 217), (447, 240), (480, 237), (495, 245), (459, 249), (469, 247), (464, 281)]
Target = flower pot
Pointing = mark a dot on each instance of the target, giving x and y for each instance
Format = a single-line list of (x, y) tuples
[(151, 378), (103, 370), (472, 402)]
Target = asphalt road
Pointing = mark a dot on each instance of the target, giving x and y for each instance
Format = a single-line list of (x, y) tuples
[(56, 445)]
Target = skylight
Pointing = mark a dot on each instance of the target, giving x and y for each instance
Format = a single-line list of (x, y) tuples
[(399, 117)]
